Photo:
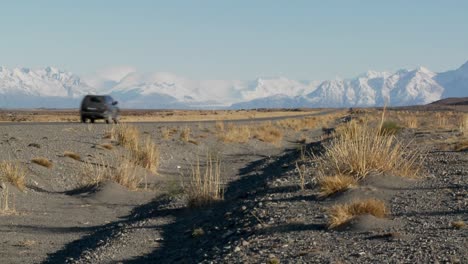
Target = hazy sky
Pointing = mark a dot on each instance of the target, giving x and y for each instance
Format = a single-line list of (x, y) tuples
[(235, 39)]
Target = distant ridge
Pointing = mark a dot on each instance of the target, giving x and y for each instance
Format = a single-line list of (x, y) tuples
[(451, 101)]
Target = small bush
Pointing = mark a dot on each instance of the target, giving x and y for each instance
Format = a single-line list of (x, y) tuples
[(389, 128), (43, 162), (334, 184), (12, 173), (72, 155), (342, 213)]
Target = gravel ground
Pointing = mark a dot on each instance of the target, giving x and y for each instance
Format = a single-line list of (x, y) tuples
[(264, 218)]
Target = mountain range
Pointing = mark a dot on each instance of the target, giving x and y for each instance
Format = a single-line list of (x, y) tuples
[(53, 88)]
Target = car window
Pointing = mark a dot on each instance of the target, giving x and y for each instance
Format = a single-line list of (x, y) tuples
[(95, 99)]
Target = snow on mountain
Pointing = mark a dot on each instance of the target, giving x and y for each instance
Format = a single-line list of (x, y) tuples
[(50, 87), (456, 81)]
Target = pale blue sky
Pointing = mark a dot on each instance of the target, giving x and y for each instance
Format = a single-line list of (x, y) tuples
[(312, 40)]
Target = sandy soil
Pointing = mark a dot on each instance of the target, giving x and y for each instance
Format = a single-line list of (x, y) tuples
[(264, 218)]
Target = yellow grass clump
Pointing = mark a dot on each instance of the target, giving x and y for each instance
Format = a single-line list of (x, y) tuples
[(268, 133), (185, 134), (463, 124), (147, 155), (342, 213), (329, 185), (126, 135), (43, 162), (124, 173), (235, 134), (205, 186), (72, 155), (458, 224), (13, 173), (360, 149)]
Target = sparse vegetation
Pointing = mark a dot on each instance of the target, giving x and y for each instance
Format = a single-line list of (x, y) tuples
[(124, 173), (106, 146), (198, 232), (458, 224), (185, 134), (389, 128), (13, 173), (235, 134), (342, 213), (360, 149), (147, 155), (126, 135), (268, 133), (43, 162), (205, 187), (4, 202), (329, 185), (72, 155)]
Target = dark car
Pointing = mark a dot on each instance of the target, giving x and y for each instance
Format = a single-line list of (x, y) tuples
[(99, 107)]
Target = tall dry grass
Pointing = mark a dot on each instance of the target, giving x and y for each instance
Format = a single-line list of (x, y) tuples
[(124, 173), (126, 135), (360, 149), (205, 185), (13, 173), (147, 155), (235, 133), (267, 132)]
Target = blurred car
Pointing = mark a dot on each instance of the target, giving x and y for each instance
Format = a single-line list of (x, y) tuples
[(99, 107)]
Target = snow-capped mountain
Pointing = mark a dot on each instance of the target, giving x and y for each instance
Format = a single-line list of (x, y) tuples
[(48, 87), (53, 88)]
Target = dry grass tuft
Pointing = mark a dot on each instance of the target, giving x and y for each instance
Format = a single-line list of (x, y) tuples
[(268, 133), (463, 124), (298, 124), (72, 155), (219, 126), (360, 149), (342, 213), (411, 121), (205, 187), (165, 133), (124, 173), (334, 184), (461, 145), (43, 162), (185, 134), (235, 134), (147, 155), (458, 224), (106, 146), (126, 135), (13, 173), (5, 204)]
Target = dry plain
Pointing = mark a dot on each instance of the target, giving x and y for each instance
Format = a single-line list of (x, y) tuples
[(253, 190)]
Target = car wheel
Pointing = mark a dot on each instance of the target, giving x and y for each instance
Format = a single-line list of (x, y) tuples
[(83, 119), (108, 120), (92, 120)]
